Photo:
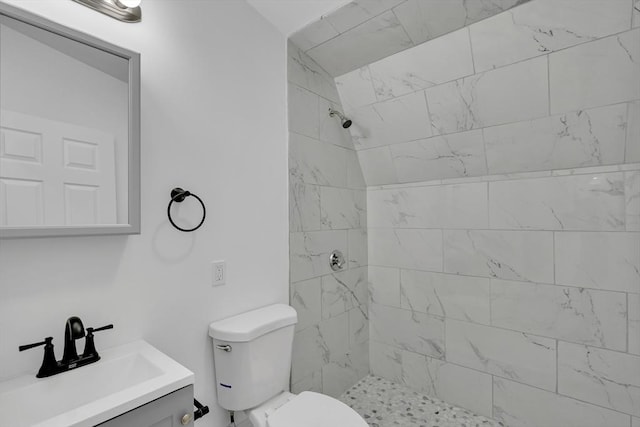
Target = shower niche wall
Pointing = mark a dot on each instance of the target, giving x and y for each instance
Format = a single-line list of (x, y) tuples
[(502, 168)]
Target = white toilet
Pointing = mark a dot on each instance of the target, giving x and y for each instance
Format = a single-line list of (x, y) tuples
[(252, 356)]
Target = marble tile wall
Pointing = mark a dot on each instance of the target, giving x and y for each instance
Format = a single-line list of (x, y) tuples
[(489, 197), (537, 87), (503, 211), (494, 291), (364, 31), (327, 211)]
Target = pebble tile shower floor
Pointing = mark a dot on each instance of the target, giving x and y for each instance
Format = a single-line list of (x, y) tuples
[(383, 403)]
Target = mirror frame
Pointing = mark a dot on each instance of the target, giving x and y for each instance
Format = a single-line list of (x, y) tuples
[(133, 226)]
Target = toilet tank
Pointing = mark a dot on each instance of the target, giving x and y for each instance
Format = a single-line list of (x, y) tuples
[(252, 355)]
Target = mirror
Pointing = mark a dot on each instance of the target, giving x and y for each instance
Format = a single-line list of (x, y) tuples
[(69, 131)]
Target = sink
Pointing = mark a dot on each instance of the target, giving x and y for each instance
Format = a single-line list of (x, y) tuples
[(124, 378)]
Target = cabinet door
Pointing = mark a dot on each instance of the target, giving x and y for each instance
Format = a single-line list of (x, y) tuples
[(166, 411)]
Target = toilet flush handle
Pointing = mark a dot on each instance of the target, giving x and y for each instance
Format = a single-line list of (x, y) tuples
[(225, 347)]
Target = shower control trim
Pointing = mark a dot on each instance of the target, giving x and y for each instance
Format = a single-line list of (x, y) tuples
[(336, 260)]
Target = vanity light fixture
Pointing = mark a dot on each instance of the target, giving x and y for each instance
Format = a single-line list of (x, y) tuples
[(122, 10)]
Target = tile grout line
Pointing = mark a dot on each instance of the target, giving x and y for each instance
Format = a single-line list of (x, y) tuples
[(347, 30), (553, 249), (493, 415), (557, 356), (628, 332), (518, 176), (444, 340), (404, 30), (319, 206), (519, 282), (393, 167), (491, 126), (413, 43), (491, 303), (494, 376), (373, 86), (549, 84), (488, 206), (473, 180), (484, 147), (497, 68), (429, 119), (626, 133), (620, 163), (496, 230), (515, 331), (319, 95), (473, 61), (442, 249)]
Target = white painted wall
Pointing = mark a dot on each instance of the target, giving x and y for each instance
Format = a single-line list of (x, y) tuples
[(214, 122), (291, 15)]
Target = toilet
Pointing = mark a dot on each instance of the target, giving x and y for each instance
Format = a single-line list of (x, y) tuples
[(252, 358)]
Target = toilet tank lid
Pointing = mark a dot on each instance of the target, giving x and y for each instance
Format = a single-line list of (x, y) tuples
[(252, 324)]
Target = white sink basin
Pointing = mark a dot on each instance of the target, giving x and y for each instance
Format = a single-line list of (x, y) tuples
[(124, 378)]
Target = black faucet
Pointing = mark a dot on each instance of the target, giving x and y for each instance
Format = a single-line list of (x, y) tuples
[(73, 331)]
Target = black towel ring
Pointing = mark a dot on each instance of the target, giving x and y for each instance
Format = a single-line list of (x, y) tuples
[(178, 195)]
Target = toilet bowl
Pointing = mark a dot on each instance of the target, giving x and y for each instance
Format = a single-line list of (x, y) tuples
[(306, 409), (252, 359)]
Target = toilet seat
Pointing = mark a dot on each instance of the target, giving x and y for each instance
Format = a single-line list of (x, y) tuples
[(311, 409)]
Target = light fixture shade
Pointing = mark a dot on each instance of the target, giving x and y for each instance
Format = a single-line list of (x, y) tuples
[(129, 3), (118, 9)]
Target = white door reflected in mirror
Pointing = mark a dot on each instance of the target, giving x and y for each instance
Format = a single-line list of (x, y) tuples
[(54, 173)]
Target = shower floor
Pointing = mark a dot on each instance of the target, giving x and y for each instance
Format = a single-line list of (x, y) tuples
[(383, 403)]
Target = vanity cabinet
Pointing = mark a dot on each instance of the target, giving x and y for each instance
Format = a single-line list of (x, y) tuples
[(167, 411)]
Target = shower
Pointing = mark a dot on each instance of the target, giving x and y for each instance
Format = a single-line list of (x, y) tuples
[(346, 123)]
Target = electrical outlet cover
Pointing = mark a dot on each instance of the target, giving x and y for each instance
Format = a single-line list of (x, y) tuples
[(219, 273)]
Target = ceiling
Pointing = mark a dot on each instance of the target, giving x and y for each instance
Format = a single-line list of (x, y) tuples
[(289, 16)]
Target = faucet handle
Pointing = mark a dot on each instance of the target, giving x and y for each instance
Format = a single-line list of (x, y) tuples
[(49, 364), (101, 328), (89, 344), (47, 340)]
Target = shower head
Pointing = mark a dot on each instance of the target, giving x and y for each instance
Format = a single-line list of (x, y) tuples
[(346, 123)]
